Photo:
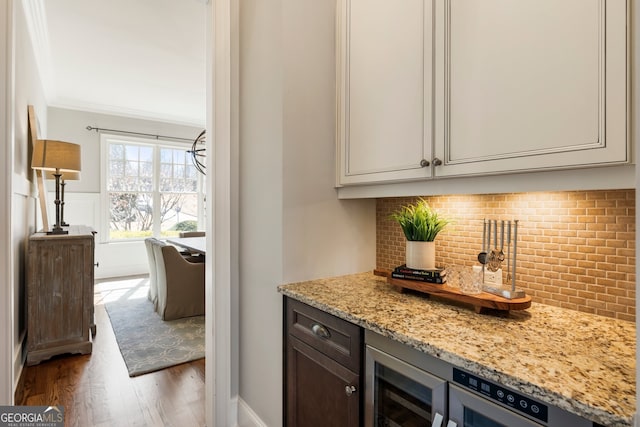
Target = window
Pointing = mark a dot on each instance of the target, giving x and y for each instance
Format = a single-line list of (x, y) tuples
[(151, 188)]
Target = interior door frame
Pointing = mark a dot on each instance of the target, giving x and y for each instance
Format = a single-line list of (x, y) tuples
[(221, 267), (222, 20), (7, 114)]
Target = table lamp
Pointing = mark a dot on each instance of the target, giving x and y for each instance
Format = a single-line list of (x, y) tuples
[(66, 176), (57, 157)]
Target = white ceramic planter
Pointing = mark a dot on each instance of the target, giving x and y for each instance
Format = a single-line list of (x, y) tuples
[(421, 255)]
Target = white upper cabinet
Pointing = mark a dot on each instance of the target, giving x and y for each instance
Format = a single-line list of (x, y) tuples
[(385, 90), (530, 84), (479, 87)]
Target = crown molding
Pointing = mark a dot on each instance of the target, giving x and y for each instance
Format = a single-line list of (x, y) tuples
[(131, 113)]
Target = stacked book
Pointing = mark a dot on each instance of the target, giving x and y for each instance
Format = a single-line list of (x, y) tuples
[(436, 275)]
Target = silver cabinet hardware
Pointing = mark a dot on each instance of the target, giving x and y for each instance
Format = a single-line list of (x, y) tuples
[(437, 162), (320, 331), (349, 390), (424, 163), (437, 420)]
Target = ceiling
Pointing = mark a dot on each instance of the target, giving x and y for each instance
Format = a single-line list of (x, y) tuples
[(142, 58)]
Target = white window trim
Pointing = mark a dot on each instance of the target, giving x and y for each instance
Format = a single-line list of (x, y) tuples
[(105, 139)]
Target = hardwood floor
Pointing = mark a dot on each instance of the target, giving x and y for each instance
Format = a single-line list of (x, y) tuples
[(96, 390)]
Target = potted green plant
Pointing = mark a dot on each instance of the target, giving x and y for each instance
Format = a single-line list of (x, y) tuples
[(420, 225)]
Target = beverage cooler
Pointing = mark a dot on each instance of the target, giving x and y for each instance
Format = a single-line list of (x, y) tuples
[(404, 387), (401, 394)]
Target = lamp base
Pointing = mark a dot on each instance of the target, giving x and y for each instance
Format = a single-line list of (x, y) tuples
[(57, 230)]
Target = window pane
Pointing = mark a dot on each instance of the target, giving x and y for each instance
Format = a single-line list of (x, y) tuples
[(165, 170), (131, 152), (176, 166), (131, 168), (178, 171), (165, 155), (116, 151), (165, 185), (129, 184), (116, 168), (132, 178), (179, 212), (146, 169), (179, 156), (131, 215), (145, 184), (146, 154), (191, 173), (115, 184)]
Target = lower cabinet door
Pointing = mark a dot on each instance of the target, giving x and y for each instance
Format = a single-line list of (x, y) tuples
[(320, 391)]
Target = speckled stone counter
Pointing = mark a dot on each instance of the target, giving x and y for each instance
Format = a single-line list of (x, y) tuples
[(582, 363)]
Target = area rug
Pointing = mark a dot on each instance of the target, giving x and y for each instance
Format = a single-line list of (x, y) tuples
[(148, 343)]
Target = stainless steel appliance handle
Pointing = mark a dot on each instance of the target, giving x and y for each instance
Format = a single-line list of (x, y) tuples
[(437, 420)]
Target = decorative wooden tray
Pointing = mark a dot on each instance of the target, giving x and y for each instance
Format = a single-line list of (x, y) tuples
[(482, 302)]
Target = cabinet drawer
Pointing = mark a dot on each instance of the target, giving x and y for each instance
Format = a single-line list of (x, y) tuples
[(332, 336)]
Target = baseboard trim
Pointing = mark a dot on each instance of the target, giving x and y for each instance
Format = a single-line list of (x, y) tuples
[(18, 395), (247, 417), (19, 369)]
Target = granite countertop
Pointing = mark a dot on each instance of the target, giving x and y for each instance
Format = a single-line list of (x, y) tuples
[(582, 363)]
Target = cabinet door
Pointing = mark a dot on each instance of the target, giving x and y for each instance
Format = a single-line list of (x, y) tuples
[(385, 90), (316, 389), (59, 296), (531, 84)]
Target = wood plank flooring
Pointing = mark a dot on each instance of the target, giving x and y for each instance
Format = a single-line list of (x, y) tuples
[(96, 390)]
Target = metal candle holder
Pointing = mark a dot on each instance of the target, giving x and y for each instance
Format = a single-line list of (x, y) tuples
[(492, 258)]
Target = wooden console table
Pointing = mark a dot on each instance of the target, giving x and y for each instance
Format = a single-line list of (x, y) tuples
[(60, 312)]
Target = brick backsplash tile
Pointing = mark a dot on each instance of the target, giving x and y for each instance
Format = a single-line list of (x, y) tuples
[(576, 249)]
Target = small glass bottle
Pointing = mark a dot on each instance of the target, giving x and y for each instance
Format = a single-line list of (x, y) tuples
[(472, 284)]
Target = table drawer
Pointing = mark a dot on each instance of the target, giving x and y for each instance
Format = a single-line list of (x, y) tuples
[(332, 336)]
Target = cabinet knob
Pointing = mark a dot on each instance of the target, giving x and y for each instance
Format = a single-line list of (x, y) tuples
[(320, 331), (97, 264), (349, 390), (424, 163), (437, 162)]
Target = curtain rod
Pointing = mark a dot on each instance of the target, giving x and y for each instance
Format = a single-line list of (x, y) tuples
[(175, 138)]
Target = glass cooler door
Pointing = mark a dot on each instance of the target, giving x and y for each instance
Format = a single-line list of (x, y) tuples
[(399, 394)]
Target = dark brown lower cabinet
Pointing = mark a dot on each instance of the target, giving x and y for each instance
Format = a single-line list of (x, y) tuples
[(323, 386), (317, 393)]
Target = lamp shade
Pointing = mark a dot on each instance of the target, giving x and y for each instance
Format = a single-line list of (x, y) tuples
[(50, 155), (66, 176)]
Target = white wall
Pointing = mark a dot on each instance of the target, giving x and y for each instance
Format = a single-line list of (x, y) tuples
[(82, 198), (292, 226), (323, 236), (27, 91), (260, 204)]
